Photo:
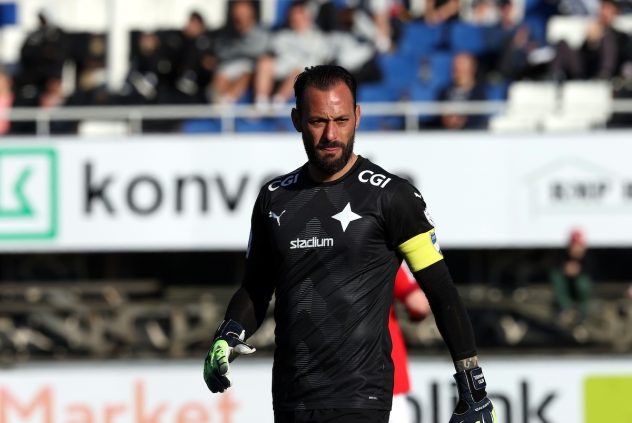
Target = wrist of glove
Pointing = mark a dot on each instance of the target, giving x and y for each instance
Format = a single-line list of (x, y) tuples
[(227, 345), (474, 405)]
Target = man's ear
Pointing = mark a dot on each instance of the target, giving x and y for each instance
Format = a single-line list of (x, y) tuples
[(296, 120), (357, 115)]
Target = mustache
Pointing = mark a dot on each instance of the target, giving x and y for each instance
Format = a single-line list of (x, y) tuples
[(329, 144)]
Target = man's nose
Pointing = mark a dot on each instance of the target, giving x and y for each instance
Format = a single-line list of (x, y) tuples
[(331, 131)]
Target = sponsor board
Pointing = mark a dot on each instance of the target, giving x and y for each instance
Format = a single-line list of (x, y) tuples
[(175, 193), (539, 390)]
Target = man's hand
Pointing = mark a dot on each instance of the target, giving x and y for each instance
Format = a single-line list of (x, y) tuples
[(473, 405), (228, 344)]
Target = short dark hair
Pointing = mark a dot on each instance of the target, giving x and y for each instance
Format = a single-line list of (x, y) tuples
[(323, 77), (197, 16)]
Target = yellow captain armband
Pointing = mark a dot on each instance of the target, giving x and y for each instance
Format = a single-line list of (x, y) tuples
[(421, 251)]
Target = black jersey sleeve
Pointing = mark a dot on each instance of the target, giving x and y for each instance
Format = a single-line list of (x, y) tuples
[(450, 314), (249, 304), (409, 228), (411, 231)]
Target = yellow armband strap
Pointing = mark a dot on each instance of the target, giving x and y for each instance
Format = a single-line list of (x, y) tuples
[(421, 251)]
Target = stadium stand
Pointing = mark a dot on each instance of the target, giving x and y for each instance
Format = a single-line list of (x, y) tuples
[(415, 69)]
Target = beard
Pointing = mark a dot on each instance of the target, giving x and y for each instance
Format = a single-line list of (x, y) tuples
[(325, 164)]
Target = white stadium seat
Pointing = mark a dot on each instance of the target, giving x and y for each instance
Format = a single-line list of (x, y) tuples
[(100, 127), (571, 29), (528, 103), (583, 105)]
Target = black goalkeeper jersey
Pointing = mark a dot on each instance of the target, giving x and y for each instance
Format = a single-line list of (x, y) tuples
[(330, 252)]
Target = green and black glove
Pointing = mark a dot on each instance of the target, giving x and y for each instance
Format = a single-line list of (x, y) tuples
[(228, 344), (473, 405)]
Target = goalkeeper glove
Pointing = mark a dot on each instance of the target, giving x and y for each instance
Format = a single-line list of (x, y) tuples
[(473, 405), (228, 344)]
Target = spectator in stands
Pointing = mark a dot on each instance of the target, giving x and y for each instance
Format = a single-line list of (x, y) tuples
[(372, 21), (571, 281), (517, 54), (599, 55), (481, 12), (623, 88), (6, 100), (352, 50), (196, 60), (439, 11), (141, 85), (42, 56), (238, 47), (291, 49), (465, 87), (39, 73)]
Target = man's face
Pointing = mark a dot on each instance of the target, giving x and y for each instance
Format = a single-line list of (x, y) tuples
[(327, 122), (243, 16)]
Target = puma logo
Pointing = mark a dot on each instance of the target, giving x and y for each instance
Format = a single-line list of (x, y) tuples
[(276, 216)]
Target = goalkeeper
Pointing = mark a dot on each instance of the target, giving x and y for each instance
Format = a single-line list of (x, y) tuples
[(327, 239)]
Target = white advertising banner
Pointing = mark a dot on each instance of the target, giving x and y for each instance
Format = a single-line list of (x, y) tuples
[(540, 390), (194, 193)]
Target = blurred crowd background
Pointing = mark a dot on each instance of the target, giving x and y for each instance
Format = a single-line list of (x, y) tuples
[(248, 52)]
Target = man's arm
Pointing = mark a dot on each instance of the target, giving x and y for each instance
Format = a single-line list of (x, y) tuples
[(246, 309), (411, 229), (450, 314)]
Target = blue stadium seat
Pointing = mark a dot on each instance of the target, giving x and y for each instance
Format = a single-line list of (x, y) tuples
[(200, 126), (380, 92), (466, 37), (440, 66), (250, 125), (280, 12), (398, 71), (420, 91), (418, 39), (376, 92), (497, 92), (8, 13), (284, 124), (537, 26)]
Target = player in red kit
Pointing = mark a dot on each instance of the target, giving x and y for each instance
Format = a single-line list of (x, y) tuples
[(407, 292)]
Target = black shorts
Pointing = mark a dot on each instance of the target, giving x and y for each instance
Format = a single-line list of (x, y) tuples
[(337, 415)]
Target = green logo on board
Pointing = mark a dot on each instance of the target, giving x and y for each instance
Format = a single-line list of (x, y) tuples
[(28, 193)]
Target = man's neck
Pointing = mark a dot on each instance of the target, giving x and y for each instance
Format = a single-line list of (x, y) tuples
[(320, 176)]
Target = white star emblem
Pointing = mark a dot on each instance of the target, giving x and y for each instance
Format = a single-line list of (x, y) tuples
[(346, 216)]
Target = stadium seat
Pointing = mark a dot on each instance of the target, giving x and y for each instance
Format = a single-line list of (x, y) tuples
[(255, 125), (571, 29), (440, 69), (584, 105), (537, 25), (528, 104), (496, 92), (8, 13), (418, 39), (200, 126), (378, 93), (623, 23), (100, 127), (399, 71), (421, 92), (465, 37)]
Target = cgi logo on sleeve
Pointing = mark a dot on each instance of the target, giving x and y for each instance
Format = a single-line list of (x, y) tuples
[(28, 193)]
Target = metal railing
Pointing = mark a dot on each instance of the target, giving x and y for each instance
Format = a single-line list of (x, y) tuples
[(227, 114)]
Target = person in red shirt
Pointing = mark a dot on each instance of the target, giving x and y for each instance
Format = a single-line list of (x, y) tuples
[(407, 292)]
